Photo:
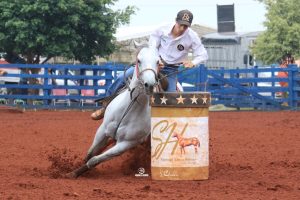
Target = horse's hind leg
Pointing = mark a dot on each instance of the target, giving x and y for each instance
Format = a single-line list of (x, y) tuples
[(100, 141), (116, 150), (93, 150)]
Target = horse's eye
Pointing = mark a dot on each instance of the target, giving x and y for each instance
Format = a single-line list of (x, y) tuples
[(139, 61)]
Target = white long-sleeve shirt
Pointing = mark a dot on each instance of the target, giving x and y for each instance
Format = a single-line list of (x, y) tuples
[(175, 50)]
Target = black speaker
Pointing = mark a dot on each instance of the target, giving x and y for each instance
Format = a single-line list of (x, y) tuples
[(225, 16)]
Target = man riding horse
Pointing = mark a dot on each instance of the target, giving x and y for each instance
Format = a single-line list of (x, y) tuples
[(173, 43)]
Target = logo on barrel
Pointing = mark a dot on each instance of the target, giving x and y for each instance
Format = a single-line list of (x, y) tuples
[(179, 142)]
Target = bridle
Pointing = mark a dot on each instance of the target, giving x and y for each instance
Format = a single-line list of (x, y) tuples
[(141, 83), (138, 72)]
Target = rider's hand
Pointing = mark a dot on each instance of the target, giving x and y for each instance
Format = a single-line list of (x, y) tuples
[(188, 64)]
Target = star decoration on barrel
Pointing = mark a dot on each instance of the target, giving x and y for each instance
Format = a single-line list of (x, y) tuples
[(204, 99), (180, 100), (194, 99), (163, 100), (183, 99)]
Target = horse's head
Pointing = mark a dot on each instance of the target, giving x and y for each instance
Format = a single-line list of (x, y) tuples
[(147, 67)]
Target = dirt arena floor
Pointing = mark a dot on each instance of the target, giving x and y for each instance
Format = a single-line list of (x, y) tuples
[(253, 155)]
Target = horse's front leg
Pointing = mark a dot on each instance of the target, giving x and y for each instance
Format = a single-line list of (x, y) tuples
[(196, 149), (116, 150)]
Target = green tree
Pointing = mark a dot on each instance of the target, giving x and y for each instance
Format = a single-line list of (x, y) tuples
[(79, 29), (282, 34)]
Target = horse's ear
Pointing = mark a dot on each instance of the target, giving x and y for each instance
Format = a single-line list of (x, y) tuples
[(138, 45)]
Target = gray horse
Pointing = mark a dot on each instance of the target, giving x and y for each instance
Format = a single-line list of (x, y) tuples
[(127, 118)]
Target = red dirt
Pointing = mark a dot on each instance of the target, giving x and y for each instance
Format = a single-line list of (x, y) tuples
[(253, 155)]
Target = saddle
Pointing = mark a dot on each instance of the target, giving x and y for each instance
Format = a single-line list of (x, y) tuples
[(106, 100), (163, 82)]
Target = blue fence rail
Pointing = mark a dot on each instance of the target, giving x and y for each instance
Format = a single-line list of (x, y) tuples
[(59, 86), (247, 88), (77, 86)]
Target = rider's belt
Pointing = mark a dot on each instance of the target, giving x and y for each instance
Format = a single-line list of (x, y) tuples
[(170, 65)]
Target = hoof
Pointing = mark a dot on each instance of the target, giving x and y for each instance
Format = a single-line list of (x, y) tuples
[(71, 175), (78, 172)]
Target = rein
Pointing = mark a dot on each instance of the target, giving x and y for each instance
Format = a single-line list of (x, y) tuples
[(137, 69), (176, 72), (126, 112)]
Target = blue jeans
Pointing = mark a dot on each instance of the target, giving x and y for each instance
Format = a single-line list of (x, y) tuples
[(119, 82)]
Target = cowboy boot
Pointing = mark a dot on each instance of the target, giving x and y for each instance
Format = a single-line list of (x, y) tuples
[(98, 114), (2, 72)]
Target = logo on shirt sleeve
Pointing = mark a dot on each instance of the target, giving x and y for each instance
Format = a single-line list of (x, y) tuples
[(180, 47)]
